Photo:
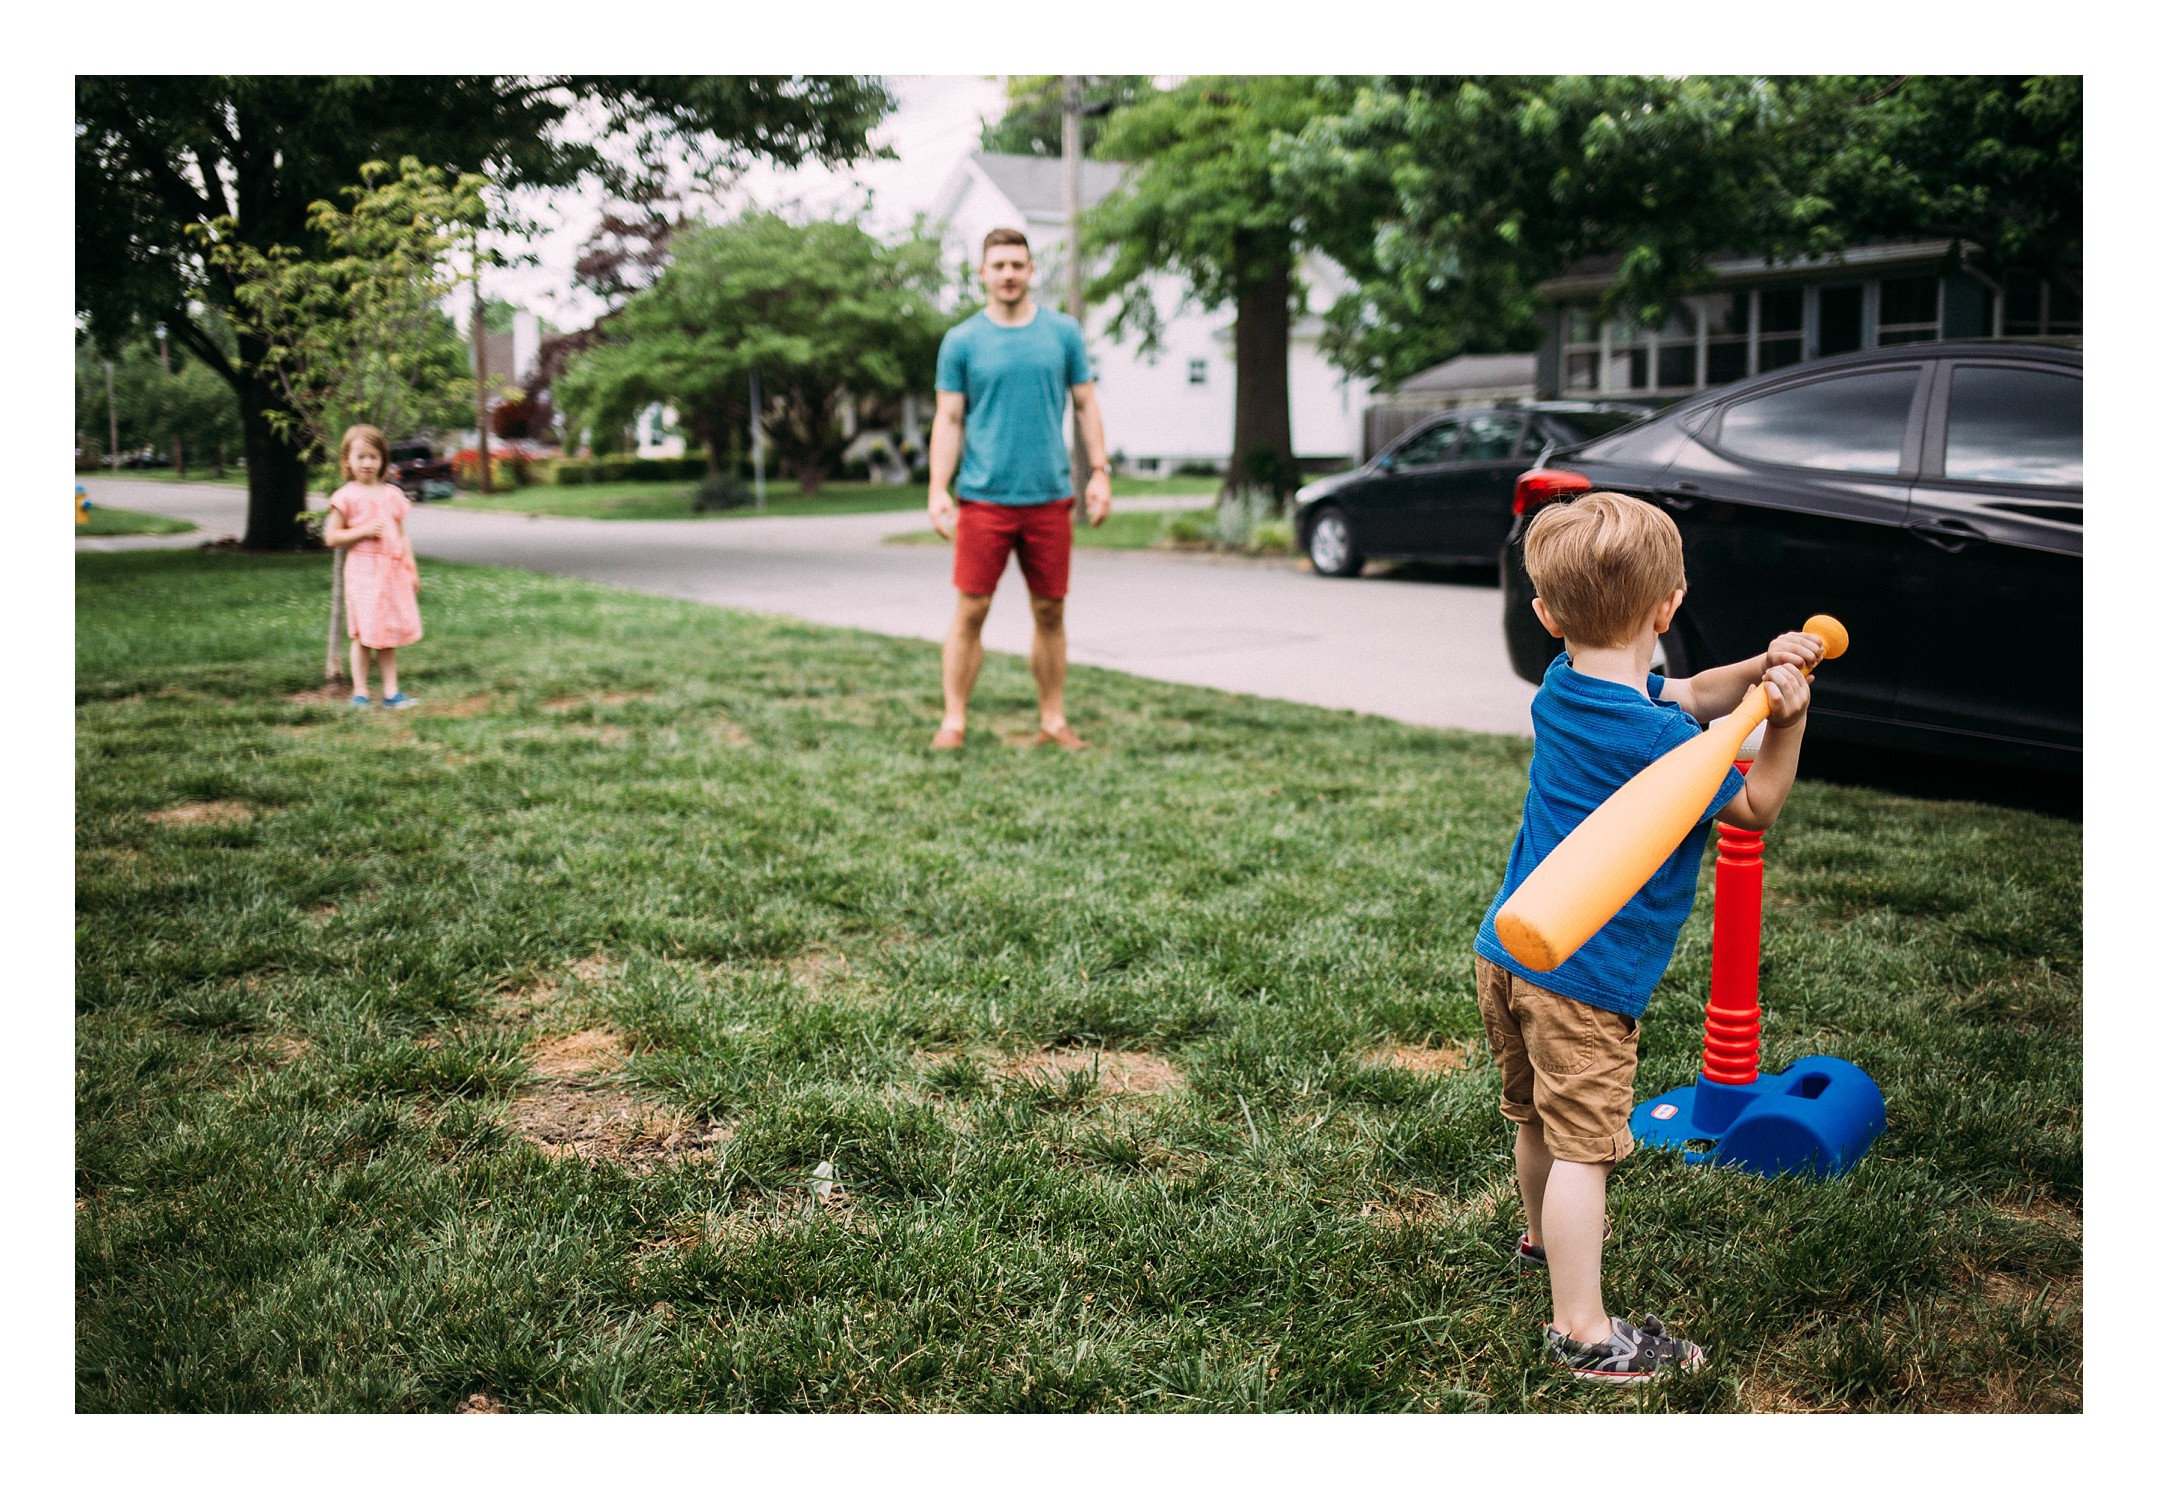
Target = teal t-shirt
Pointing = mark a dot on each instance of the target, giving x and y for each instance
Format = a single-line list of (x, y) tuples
[(1015, 379)]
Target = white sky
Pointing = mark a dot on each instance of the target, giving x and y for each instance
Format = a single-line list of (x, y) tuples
[(938, 122)]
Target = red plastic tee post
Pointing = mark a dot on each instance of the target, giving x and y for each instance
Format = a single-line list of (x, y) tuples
[(1731, 1044)]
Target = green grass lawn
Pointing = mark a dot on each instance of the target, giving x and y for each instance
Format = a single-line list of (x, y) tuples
[(197, 475), (117, 522), (490, 1048), (663, 499)]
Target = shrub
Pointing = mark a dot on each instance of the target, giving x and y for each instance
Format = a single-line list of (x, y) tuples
[(854, 470), (721, 492), (1273, 537), (1197, 468), (508, 471), (1188, 528), (602, 469)]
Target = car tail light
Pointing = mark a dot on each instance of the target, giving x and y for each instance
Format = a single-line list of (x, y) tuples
[(1532, 488)]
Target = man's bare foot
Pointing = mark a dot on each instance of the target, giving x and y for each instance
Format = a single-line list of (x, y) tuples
[(1062, 737), (949, 738)]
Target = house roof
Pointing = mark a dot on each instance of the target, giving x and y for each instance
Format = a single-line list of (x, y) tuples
[(1600, 271), (1035, 183), (1501, 370)]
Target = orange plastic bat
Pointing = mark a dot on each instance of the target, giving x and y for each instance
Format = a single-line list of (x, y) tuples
[(1603, 863)]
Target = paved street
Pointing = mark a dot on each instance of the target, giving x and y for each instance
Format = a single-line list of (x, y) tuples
[(1421, 649)]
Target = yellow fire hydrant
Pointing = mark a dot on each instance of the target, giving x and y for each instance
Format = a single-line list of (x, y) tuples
[(82, 507)]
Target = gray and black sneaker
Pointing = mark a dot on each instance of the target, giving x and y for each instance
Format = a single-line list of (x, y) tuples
[(1631, 1353)]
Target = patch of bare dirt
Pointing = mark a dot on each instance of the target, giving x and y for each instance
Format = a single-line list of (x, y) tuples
[(1401, 1207), (523, 998), (196, 813), (329, 692), (285, 1048), (567, 702), (728, 733), (1122, 1072), (461, 708), (594, 969), (1419, 1059), (479, 1403), (567, 1119), (586, 1052), (818, 971)]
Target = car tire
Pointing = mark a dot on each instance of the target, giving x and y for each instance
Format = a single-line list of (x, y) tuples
[(1332, 545)]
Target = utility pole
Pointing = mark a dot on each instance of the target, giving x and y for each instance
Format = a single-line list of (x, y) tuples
[(756, 433), (479, 369), (1074, 270), (164, 360)]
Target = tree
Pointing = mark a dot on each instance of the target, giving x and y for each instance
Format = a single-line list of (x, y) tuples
[(159, 402), (1207, 202), (156, 156), (822, 312), (1033, 119), (1483, 187), (357, 333)]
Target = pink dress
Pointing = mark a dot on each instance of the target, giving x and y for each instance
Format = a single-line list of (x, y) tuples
[(382, 584)]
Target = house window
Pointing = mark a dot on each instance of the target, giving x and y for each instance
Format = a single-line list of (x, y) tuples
[(1628, 368), (1782, 342), (2035, 306), (1584, 349), (1910, 309), (1195, 372), (1678, 345), (1729, 318), (1843, 318)]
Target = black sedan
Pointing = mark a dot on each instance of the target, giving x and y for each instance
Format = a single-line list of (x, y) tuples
[(1929, 496), (1442, 491)]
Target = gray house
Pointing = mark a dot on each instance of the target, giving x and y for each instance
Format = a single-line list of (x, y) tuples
[(1758, 316)]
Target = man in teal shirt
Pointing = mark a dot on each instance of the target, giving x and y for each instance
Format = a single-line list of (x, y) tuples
[(1002, 377)]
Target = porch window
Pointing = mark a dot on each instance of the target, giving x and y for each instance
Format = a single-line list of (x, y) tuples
[(1910, 309)]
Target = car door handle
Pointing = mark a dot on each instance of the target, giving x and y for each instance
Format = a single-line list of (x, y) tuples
[(1677, 503), (1947, 533)]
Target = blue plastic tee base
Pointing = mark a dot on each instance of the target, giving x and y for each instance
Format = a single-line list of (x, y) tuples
[(1816, 1119)]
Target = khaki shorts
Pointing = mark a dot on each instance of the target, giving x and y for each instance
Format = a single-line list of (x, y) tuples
[(1564, 1065)]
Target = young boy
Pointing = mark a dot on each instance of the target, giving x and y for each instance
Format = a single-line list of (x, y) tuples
[(1609, 576)]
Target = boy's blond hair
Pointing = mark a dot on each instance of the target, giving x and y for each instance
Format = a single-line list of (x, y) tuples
[(1601, 564)]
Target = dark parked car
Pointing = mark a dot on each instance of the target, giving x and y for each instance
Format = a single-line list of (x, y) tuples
[(1929, 496), (419, 473), (1442, 491)]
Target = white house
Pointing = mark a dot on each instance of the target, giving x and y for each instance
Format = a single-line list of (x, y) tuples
[(1178, 403)]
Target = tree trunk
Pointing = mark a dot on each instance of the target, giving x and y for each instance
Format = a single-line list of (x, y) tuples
[(1262, 458), (276, 474)]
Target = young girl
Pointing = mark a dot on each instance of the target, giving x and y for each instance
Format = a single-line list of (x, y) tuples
[(382, 584)]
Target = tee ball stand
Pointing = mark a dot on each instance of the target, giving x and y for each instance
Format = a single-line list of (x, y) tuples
[(1817, 1118)]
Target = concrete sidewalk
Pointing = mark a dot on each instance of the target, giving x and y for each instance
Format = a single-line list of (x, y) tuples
[(1422, 649)]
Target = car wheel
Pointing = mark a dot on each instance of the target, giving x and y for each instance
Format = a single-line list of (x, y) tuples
[(1332, 546)]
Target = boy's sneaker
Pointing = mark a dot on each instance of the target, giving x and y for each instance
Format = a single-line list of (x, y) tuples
[(1631, 1353), (1533, 1256)]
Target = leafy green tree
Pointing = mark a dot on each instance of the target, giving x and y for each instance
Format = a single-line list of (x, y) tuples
[(1033, 119), (822, 311), (157, 156), (356, 333), (168, 404), (1479, 188), (1208, 203)]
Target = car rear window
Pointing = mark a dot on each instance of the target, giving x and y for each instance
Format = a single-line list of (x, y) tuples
[(1851, 423), (1574, 429), (2016, 425)]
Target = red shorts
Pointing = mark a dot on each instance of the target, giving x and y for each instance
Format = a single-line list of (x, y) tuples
[(989, 532)]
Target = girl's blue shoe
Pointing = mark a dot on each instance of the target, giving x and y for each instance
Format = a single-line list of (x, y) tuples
[(359, 700), (399, 700)]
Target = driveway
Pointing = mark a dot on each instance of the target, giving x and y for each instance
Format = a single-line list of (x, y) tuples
[(1405, 646)]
